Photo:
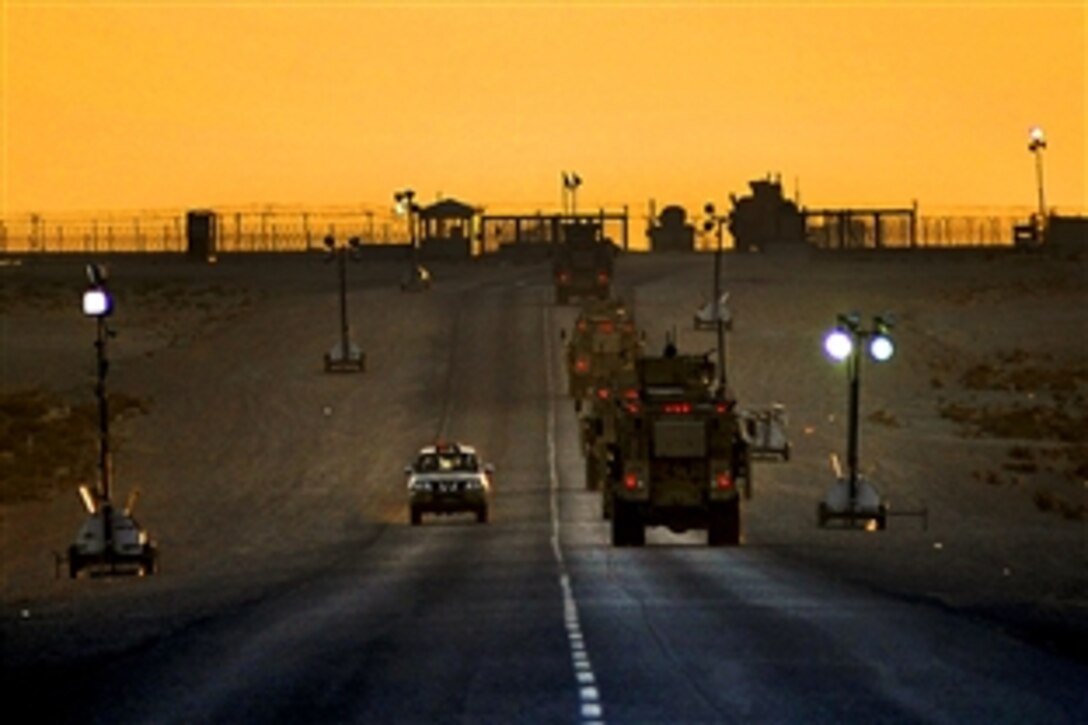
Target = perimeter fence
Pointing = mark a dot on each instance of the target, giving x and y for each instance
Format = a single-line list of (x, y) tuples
[(296, 228)]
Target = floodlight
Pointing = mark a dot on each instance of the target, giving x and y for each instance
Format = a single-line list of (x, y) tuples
[(97, 302), (838, 344), (881, 348), (1037, 134)]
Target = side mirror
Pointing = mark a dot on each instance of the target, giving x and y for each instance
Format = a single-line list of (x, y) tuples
[(407, 470)]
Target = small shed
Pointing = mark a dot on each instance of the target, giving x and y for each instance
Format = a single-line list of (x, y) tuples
[(447, 228)]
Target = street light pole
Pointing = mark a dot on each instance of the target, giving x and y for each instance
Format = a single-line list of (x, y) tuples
[(1036, 146), (713, 218)]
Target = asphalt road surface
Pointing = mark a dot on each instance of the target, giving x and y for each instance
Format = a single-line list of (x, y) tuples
[(296, 591)]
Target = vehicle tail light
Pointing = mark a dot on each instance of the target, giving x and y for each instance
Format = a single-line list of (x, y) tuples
[(677, 408), (563, 277), (605, 327), (723, 481), (582, 326), (631, 394), (602, 393), (630, 481), (634, 408), (581, 365), (602, 278)]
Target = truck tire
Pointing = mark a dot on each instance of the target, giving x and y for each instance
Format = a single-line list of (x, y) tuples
[(724, 526), (416, 516), (627, 528)]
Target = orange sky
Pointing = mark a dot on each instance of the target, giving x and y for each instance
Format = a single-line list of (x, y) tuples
[(177, 104)]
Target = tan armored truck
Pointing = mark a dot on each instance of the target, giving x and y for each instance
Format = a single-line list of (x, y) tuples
[(603, 341), (582, 263), (598, 427), (679, 458)]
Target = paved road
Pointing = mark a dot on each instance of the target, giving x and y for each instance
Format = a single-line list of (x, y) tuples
[(531, 618)]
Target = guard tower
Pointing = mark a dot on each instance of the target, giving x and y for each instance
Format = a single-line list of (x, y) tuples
[(447, 230)]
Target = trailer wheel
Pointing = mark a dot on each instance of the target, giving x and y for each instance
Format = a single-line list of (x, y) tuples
[(724, 525), (74, 563)]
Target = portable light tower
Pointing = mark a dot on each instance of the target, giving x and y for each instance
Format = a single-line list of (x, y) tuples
[(852, 498), (345, 356), (109, 541)]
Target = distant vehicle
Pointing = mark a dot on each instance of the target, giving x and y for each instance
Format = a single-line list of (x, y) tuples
[(582, 264), (603, 342), (448, 478)]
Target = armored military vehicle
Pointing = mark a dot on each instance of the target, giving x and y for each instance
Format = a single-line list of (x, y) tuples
[(679, 458), (603, 341), (582, 263)]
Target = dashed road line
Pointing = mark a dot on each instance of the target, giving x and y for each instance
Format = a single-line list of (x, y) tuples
[(589, 697)]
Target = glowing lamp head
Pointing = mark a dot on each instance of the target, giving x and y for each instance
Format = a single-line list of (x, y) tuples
[(1038, 139), (97, 302), (838, 345), (881, 348)]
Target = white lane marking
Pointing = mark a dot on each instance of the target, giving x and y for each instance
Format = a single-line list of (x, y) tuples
[(588, 694)]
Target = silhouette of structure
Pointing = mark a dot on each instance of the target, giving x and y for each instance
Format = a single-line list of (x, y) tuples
[(671, 232), (765, 217), (532, 237), (447, 230), (201, 234)]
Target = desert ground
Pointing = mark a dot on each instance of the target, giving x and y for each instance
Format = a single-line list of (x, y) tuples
[(257, 470)]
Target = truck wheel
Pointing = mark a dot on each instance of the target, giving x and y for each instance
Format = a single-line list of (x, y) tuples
[(481, 515), (621, 530), (416, 516), (724, 526)]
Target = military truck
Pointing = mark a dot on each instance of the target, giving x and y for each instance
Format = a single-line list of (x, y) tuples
[(604, 340), (598, 428), (679, 458), (582, 263)]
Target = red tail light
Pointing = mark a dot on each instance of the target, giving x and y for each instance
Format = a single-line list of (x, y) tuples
[(723, 481), (582, 326), (563, 277), (630, 481), (605, 327), (631, 394), (722, 407), (677, 408), (634, 408), (581, 365), (602, 277), (602, 393)]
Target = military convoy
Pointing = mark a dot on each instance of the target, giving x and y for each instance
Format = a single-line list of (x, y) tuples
[(582, 263), (663, 441)]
